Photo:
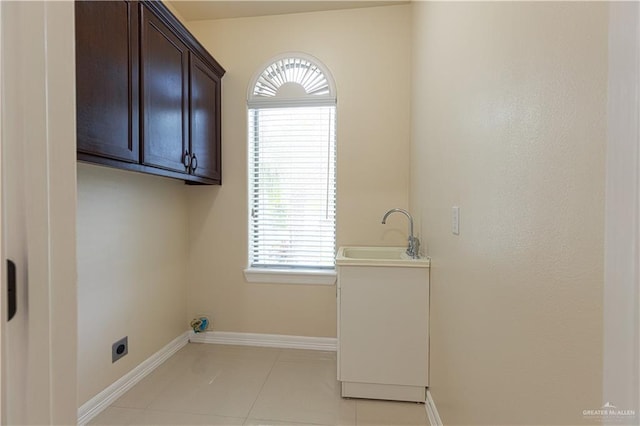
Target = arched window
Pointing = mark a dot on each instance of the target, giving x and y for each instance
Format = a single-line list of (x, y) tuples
[(292, 165), (297, 79)]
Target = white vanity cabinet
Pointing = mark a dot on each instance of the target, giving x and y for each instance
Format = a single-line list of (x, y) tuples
[(383, 324)]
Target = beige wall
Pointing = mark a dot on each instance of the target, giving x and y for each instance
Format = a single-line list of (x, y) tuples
[(132, 260), (175, 12), (368, 53), (509, 123), (132, 257)]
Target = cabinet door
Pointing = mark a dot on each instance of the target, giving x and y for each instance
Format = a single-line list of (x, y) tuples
[(384, 325), (205, 134), (164, 100), (107, 79)]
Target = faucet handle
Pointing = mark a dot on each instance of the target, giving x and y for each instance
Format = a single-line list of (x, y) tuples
[(414, 247)]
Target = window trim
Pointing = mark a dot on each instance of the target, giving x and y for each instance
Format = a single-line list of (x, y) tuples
[(291, 276)]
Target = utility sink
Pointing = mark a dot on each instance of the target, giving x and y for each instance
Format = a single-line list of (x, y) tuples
[(383, 323), (379, 256)]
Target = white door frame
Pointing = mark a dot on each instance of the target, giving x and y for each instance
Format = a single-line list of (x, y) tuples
[(3, 291), (43, 67), (621, 352)]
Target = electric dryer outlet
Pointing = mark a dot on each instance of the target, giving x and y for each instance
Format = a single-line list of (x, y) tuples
[(119, 349)]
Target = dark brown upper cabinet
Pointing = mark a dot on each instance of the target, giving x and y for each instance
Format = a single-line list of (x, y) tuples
[(107, 79), (148, 93), (204, 105), (164, 60)]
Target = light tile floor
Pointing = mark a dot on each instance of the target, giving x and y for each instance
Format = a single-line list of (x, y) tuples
[(204, 384)]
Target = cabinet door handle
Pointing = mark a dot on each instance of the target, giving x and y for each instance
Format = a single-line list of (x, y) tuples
[(186, 160), (194, 163)]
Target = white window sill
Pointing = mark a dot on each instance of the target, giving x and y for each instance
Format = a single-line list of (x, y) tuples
[(287, 276)]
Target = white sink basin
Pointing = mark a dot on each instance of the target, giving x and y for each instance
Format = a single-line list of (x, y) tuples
[(379, 256)]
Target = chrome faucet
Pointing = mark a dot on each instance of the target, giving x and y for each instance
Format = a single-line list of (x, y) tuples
[(414, 242)]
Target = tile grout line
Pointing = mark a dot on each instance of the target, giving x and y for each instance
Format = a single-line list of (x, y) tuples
[(356, 406), (262, 387)]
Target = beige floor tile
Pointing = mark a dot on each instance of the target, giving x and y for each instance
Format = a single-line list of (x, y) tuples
[(306, 355), (391, 413), (229, 385), (223, 352), (304, 391), (116, 416), (152, 417), (259, 422), (144, 392), (224, 386)]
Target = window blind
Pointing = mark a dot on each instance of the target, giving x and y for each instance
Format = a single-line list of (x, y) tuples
[(292, 187)]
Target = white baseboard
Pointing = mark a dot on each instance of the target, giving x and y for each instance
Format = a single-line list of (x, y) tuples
[(432, 411), (265, 340), (98, 403)]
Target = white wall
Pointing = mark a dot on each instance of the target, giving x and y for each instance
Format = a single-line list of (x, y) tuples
[(368, 53), (622, 231), (132, 257), (509, 123)]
